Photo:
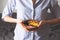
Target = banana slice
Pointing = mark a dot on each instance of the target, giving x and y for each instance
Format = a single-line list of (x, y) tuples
[(33, 23)]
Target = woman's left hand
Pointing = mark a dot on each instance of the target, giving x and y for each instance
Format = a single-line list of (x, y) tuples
[(41, 23)]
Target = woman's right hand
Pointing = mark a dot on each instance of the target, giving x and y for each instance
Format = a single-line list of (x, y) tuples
[(20, 22)]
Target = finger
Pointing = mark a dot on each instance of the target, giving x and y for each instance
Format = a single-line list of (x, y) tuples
[(39, 24), (30, 27), (24, 27)]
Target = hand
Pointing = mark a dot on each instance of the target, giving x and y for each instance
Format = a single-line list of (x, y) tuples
[(19, 22), (29, 28), (26, 28), (31, 24), (41, 23)]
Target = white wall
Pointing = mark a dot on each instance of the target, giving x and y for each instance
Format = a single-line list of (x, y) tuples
[(3, 3), (59, 2)]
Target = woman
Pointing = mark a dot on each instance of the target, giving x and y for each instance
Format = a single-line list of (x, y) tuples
[(30, 10)]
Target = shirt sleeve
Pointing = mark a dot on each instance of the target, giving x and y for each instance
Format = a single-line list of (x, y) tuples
[(10, 6), (55, 8)]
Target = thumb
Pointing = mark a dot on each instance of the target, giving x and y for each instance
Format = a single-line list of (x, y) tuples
[(40, 24)]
